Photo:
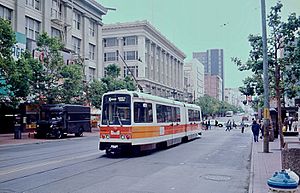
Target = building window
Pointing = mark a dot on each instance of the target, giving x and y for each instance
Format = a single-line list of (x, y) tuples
[(131, 71), (130, 40), (76, 44), (109, 42), (131, 55), (56, 10), (92, 73), (76, 20), (55, 33), (36, 4), (5, 13), (110, 56), (92, 28), (32, 28), (92, 52)]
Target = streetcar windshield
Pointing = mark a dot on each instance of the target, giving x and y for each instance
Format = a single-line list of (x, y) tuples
[(116, 110)]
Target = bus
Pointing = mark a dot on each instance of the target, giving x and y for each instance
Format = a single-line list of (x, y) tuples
[(134, 121)]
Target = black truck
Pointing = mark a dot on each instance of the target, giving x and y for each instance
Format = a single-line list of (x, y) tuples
[(60, 119)]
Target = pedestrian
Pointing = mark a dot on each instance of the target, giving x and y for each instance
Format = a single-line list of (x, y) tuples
[(242, 126), (228, 125), (233, 124), (294, 125), (208, 124), (290, 122), (255, 130)]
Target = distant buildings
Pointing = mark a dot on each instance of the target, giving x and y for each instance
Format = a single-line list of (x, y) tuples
[(78, 24), (234, 97), (213, 61), (194, 79), (156, 63)]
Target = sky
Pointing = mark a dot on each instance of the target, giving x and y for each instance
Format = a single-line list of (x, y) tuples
[(198, 25)]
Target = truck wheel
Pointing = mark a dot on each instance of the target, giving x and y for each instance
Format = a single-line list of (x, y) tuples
[(80, 133), (58, 134)]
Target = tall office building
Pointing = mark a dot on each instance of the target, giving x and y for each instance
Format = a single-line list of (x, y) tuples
[(78, 24), (213, 61), (156, 63)]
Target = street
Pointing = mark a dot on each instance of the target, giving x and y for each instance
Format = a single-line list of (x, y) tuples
[(217, 162)]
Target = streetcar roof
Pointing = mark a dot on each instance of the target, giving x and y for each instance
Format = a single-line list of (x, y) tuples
[(152, 97)]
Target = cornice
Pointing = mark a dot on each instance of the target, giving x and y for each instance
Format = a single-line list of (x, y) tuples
[(147, 27)]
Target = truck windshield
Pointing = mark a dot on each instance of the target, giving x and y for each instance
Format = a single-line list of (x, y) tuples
[(116, 110)]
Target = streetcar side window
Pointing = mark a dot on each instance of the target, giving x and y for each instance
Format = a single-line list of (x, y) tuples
[(177, 115), (169, 116), (160, 113), (191, 115), (165, 114), (143, 112), (197, 115)]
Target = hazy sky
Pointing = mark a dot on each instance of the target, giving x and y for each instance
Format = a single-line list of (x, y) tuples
[(198, 25)]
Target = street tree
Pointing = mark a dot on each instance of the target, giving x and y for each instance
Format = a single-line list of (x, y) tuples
[(112, 80), (211, 106), (59, 82), (71, 90), (284, 71), (17, 77), (95, 91), (7, 40)]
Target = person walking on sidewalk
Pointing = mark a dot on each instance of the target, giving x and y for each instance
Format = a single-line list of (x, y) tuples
[(255, 130)]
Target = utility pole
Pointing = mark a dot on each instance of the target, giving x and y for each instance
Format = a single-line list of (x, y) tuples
[(265, 79)]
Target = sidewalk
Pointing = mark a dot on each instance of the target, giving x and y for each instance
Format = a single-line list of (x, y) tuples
[(264, 165), (27, 138)]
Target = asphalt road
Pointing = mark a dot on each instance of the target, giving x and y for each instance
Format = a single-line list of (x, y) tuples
[(217, 162)]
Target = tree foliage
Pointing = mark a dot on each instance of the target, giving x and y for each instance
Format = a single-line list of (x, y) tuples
[(284, 38), (212, 106), (110, 82)]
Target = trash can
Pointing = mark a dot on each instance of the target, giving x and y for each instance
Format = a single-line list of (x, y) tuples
[(17, 128)]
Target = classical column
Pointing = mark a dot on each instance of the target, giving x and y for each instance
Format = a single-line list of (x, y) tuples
[(68, 18), (154, 75), (121, 52), (99, 52), (19, 16), (85, 36), (142, 56), (46, 7)]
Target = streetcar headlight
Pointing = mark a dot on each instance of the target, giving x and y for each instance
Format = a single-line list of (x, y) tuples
[(107, 136), (122, 137)]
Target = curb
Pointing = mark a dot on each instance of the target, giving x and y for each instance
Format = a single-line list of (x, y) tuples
[(250, 189)]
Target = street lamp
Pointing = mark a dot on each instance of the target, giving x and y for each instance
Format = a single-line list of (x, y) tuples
[(135, 80)]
